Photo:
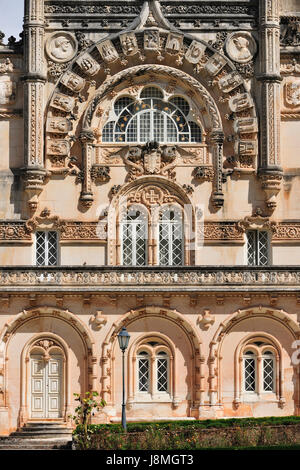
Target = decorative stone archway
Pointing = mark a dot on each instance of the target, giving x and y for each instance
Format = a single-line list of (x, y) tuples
[(22, 320), (190, 337), (101, 69), (281, 317)]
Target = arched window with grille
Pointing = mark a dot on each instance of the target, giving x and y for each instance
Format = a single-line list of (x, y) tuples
[(250, 373), (170, 237), (134, 234), (151, 117), (268, 371), (153, 371), (143, 364)]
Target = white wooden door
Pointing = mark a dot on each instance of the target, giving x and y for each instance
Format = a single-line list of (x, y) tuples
[(46, 387)]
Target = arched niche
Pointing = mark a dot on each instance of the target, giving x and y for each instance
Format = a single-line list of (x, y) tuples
[(170, 327), (35, 328), (263, 324)]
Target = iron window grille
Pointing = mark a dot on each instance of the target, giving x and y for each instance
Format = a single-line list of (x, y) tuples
[(46, 249), (258, 252)]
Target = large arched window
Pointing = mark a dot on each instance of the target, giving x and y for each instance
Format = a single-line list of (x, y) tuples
[(134, 229), (151, 117), (170, 237)]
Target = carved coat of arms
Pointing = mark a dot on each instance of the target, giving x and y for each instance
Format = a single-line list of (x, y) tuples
[(292, 93)]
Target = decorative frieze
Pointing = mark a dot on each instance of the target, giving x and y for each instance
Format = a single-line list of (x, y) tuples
[(104, 279)]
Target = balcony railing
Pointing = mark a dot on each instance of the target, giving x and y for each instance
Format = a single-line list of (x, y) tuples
[(111, 278)]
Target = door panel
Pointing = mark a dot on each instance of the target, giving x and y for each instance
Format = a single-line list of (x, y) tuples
[(46, 387)]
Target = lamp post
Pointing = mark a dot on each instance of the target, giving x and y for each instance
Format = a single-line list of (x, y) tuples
[(123, 338)]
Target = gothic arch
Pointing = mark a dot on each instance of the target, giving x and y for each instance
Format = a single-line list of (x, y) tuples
[(215, 357), (191, 337)]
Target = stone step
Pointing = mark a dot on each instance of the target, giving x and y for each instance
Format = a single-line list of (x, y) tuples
[(36, 444)]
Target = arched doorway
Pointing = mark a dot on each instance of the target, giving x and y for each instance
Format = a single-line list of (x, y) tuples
[(47, 380)]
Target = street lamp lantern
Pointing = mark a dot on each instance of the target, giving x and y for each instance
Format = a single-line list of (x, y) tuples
[(123, 338)]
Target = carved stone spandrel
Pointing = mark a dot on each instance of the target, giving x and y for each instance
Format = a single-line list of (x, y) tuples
[(291, 95), (8, 89)]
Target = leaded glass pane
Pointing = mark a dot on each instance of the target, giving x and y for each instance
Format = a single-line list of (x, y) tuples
[(108, 132), (162, 375), (249, 371), (122, 103), (151, 118), (181, 103), (143, 374), (144, 127), (196, 135), (268, 374), (152, 92)]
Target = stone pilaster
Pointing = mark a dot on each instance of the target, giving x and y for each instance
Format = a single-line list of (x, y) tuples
[(34, 81), (270, 171)]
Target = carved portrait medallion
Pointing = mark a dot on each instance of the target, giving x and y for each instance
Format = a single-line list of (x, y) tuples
[(241, 46), (61, 47)]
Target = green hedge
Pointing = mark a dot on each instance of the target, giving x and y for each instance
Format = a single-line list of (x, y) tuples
[(193, 425)]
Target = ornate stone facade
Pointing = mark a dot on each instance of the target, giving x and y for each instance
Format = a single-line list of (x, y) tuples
[(149, 179)]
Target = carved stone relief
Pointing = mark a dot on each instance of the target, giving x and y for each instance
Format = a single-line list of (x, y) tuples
[(108, 51), (59, 125), (61, 47), (241, 46), (291, 96), (88, 65), (8, 88), (73, 81), (63, 102), (129, 43)]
